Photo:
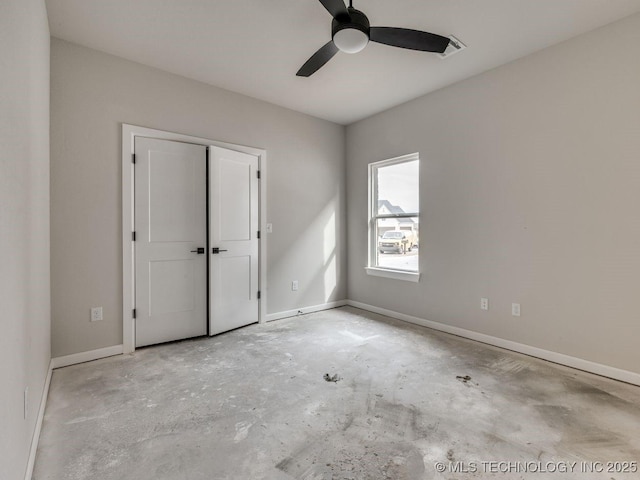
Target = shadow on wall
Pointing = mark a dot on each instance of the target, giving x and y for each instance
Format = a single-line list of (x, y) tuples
[(312, 257)]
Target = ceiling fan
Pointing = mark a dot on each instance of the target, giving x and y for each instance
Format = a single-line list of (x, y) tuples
[(350, 33)]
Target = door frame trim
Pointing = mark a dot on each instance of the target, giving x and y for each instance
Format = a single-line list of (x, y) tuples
[(129, 132)]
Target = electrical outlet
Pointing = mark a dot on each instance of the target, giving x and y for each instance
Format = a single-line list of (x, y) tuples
[(484, 303), (26, 402), (294, 285), (96, 314), (515, 309), (269, 227)]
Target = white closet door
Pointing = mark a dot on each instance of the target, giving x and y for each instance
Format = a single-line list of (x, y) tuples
[(233, 234), (170, 223)]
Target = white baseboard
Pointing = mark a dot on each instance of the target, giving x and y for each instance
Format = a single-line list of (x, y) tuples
[(36, 433), (574, 362), (315, 308), (82, 357)]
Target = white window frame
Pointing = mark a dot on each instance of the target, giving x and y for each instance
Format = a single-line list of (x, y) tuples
[(372, 268)]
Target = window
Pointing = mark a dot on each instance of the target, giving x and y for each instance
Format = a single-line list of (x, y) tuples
[(394, 218)]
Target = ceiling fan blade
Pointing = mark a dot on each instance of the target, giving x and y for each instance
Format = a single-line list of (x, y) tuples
[(318, 59), (411, 39), (336, 8)]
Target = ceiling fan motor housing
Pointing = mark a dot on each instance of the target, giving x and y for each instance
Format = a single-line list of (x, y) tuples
[(351, 32), (351, 40)]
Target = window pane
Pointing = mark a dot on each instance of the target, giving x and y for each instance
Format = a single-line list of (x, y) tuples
[(398, 187), (397, 243)]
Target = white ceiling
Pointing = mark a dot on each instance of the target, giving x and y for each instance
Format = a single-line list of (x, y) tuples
[(255, 47)]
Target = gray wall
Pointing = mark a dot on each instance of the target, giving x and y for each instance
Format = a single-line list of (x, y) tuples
[(530, 186), (92, 95), (24, 225)]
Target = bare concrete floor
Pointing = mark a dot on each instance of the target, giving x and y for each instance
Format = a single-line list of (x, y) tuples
[(253, 404)]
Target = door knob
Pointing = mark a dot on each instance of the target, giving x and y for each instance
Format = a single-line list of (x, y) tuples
[(215, 250), (199, 251)]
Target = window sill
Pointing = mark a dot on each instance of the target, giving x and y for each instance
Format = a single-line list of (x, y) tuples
[(395, 274)]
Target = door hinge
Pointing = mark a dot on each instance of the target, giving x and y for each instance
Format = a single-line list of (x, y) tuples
[(258, 173), (133, 236), (133, 158), (258, 294), (258, 233), (134, 313)]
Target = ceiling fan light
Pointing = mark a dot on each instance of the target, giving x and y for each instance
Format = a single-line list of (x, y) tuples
[(350, 40)]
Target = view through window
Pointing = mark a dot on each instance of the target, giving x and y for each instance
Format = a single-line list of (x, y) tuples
[(394, 219)]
